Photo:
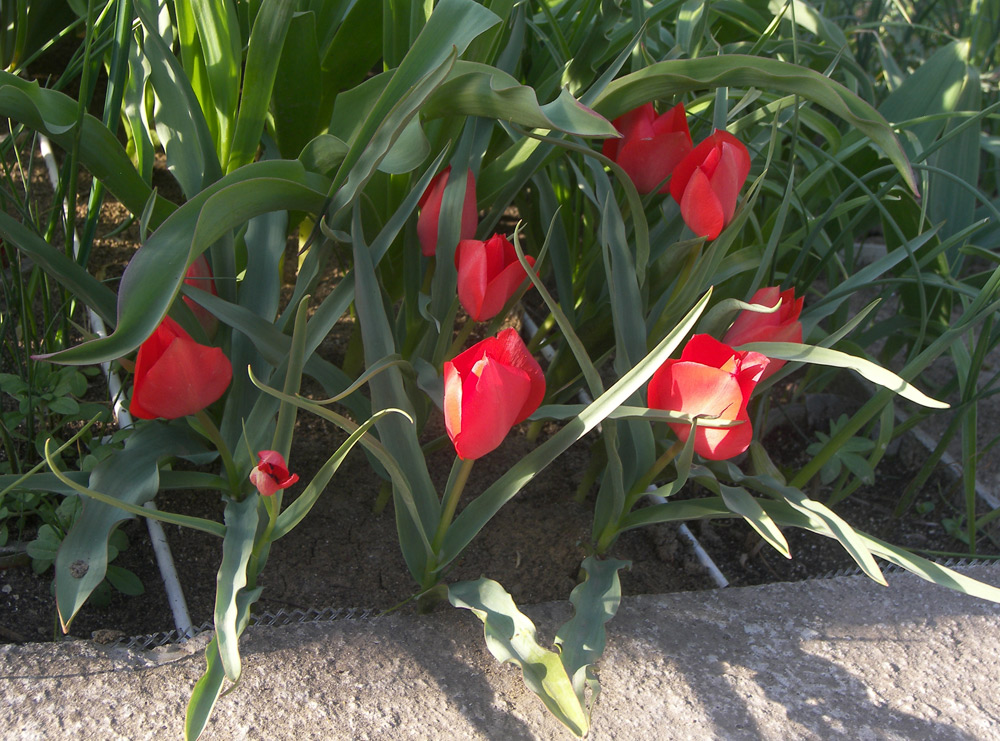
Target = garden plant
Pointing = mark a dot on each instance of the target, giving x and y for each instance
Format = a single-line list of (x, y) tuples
[(677, 194)]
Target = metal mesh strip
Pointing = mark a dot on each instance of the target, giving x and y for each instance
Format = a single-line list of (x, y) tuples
[(891, 568), (266, 619), (329, 614)]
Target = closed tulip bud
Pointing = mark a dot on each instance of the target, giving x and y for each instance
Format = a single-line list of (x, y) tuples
[(711, 379), (782, 325), (651, 146), (175, 376), (488, 275), (488, 389), (430, 211), (706, 183), (271, 474)]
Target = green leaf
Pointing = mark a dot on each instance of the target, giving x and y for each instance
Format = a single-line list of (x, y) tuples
[(241, 519), (180, 125), (263, 54), (208, 688), (400, 439), (125, 581), (511, 637), (155, 275), (45, 546), (934, 87), (823, 520), (927, 570), (63, 269), (323, 154), (582, 639), (447, 33), (479, 90), (400, 481), (221, 52), (739, 501), (351, 53), (825, 356), (297, 510), (130, 475), (298, 89)]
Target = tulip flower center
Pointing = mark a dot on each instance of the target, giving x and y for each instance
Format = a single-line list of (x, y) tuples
[(730, 366)]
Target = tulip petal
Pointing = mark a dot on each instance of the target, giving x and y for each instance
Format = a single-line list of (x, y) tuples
[(700, 208), (430, 211), (726, 182), (512, 351), (179, 379), (649, 162), (452, 400), (501, 288), (473, 270)]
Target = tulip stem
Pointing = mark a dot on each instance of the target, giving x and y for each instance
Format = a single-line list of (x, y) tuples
[(644, 483), (212, 433), (612, 530), (456, 483), (460, 338)]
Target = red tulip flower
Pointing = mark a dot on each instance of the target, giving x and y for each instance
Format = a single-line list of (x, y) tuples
[(271, 474), (651, 145), (781, 326), (709, 379), (175, 376), (430, 211), (488, 275), (199, 275), (488, 389), (707, 182)]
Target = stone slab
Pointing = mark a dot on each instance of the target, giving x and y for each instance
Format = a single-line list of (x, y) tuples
[(833, 658)]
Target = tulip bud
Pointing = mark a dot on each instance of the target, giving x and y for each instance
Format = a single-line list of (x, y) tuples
[(782, 325), (706, 183), (271, 474), (430, 211), (488, 389), (488, 275), (199, 275)]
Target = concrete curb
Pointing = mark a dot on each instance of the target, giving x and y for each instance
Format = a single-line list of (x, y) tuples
[(823, 659)]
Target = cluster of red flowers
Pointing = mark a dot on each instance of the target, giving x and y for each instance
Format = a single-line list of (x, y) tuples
[(704, 180), (496, 383)]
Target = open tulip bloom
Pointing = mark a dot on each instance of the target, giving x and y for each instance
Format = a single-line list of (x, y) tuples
[(430, 211), (488, 389), (782, 325), (709, 379), (651, 146), (271, 474), (175, 376), (488, 275), (706, 183)]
